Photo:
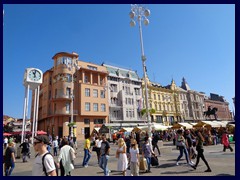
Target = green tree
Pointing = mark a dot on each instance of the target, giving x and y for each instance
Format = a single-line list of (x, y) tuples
[(151, 111)]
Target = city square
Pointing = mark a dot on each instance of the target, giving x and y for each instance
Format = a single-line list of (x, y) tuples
[(155, 76), (222, 163)]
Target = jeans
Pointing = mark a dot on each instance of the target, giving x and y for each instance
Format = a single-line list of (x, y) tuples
[(86, 158), (9, 168), (183, 149), (103, 164), (55, 151), (148, 162)]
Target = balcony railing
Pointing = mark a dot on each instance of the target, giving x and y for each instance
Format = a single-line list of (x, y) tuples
[(63, 112), (62, 95)]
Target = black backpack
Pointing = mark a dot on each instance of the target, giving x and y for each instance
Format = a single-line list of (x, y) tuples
[(44, 169)]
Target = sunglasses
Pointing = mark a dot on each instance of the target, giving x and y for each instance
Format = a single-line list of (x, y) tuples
[(34, 143)]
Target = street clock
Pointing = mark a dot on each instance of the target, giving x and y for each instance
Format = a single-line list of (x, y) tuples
[(32, 77)]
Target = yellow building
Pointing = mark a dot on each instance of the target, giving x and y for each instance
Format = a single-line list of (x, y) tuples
[(165, 102), (90, 98)]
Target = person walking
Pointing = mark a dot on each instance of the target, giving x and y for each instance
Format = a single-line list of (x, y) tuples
[(9, 159), (134, 158), (46, 166), (65, 159), (121, 154), (190, 149), (155, 139), (25, 150), (87, 151), (182, 145), (55, 146), (147, 153), (199, 148), (225, 142), (104, 155), (97, 146)]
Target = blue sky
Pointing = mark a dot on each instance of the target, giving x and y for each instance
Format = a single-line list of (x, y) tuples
[(192, 41)]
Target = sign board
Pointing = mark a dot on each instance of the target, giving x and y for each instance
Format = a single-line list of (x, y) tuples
[(104, 129)]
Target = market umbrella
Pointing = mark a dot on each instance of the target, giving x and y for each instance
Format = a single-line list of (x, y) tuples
[(41, 132), (7, 134)]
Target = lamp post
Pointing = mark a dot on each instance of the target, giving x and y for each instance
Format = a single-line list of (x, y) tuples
[(72, 66), (141, 13)]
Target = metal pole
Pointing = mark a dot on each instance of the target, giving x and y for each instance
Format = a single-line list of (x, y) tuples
[(37, 104), (34, 115), (25, 112), (144, 75), (71, 127)]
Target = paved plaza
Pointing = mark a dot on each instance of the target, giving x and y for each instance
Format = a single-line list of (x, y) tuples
[(221, 163)]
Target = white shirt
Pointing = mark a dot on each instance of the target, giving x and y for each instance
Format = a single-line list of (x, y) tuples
[(38, 166), (98, 143), (133, 154), (55, 143)]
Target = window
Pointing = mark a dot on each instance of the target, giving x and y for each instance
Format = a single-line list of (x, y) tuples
[(86, 121), (158, 97), (67, 107), (95, 93), (87, 106), (103, 107), (85, 79), (92, 67), (102, 94), (137, 91), (69, 78), (95, 107), (68, 92), (99, 121), (87, 92)]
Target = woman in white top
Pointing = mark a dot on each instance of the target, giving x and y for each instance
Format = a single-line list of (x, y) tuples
[(65, 158), (122, 156), (98, 143), (134, 158)]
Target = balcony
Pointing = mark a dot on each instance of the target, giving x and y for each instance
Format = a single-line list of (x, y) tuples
[(63, 112), (61, 96)]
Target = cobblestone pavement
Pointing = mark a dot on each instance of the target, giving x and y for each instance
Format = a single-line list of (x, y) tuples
[(221, 163)]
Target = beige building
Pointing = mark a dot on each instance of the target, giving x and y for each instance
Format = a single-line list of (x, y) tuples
[(165, 102), (90, 97), (195, 103)]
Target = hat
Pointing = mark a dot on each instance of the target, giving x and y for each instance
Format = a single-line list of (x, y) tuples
[(42, 138)]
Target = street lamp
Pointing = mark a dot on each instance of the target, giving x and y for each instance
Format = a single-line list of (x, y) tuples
[(139, 13), (72, 65)]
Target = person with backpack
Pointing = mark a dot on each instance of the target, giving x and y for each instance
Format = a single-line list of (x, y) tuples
[(44, 164)]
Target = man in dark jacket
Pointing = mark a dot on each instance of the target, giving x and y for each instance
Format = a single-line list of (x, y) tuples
[(25, 150), (155, 138)]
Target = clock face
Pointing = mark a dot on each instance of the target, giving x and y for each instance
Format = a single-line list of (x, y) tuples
[(34, 75)]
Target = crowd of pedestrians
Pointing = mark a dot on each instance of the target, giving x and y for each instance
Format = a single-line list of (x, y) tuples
[(131, 152)]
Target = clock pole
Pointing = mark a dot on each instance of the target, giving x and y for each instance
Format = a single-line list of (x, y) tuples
[(25, 111), (32, 80)]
